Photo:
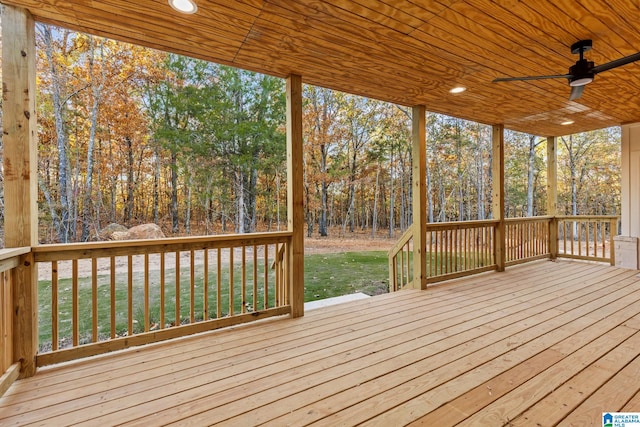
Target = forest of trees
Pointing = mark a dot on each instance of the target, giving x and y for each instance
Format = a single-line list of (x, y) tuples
[(131, 135)]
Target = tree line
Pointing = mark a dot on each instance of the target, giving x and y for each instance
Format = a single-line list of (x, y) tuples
[(131, 135)]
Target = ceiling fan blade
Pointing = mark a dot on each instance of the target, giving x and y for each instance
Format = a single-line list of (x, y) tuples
[(617, 63), (576, 92), (515, 79)]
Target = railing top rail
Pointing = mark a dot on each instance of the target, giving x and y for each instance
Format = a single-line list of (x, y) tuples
[(579, 217), (406, 236), (7, 253), (137, 247), (432, 226), (529, 218)]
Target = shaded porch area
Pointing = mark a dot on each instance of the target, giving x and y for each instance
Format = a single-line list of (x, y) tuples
[(544, 342)]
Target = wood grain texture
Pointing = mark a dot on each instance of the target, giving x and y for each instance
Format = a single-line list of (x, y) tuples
[(295, 195), (419, 171), (540, 341), (401, 51)]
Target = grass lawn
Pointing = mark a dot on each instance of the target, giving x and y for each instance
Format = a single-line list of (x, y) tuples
[(331, 275), (326, 275)]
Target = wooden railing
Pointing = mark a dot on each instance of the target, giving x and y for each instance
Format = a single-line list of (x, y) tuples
[(104, 296), (401, 262), (9, 367), (456, 249), (588, 237), (527, 239)]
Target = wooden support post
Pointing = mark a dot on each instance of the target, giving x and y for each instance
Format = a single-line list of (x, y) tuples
[(295, 193), (419, 170), (552, 194), (20, 143), (497, 170)]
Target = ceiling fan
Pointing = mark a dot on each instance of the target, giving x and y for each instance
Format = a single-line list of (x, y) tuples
[(582, 72)]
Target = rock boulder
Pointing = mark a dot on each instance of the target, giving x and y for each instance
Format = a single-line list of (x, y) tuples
[(145, 231)]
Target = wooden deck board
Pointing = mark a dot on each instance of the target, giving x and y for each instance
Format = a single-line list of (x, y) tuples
[(547, 342)]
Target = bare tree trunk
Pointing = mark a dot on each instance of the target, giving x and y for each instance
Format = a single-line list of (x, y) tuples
[(480, 175), (64, 195), (156, 186), (175, 224), (128, 206), (461, 210), (278, 201), (240, 213), (391, 196), (374, 214), (97, 95)]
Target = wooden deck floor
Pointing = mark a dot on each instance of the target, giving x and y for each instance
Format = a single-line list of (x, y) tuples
[(540, 344)]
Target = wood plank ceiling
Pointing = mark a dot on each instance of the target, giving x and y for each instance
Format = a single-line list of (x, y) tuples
[(404, 51)]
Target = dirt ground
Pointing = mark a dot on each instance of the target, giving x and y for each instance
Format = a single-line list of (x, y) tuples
[(355, 243)]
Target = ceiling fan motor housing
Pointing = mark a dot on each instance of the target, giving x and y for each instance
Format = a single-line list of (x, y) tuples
[(581, 73)]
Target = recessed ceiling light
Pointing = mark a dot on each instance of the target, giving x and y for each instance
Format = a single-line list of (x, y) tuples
[(458, 89), (184, 6), (567, 122)]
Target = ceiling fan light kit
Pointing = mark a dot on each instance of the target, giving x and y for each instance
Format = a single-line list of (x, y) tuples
[(582, 72)]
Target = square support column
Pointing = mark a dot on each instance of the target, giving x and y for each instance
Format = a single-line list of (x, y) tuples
[(295, 195), (497, 173), (626, 250), (419, 178), (20, 144), (552, 194)]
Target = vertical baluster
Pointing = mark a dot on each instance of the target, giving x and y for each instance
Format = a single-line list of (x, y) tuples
[(147, 321), (522, 243), (74, 297), (407, 263), (54, 305), (162, 290), (205, 285), (603, 237), (487, 245), (266, 276), (112, 272), (244, 279), (6, 351), (490, 232), (177, 320), (467, 249), (587, 237), (595, 237), (474, 244), (447, 250), (453, 249), (402, 251), (192, 286), (431, 257), (231, 290), (443, 265), (395, 272), (508, 236), (129, 295), (573, 227), (579, 241), (94, 299), (276, 262), (526, 229), (219, 284), (255, 278)]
